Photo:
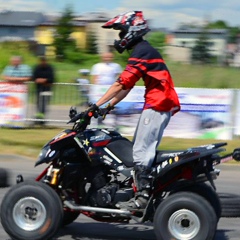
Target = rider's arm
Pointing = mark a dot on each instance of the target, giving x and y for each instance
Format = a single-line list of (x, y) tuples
[(122, 86), (121, 95), (112, 92)]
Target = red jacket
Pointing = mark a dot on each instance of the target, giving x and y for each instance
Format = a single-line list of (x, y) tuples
[(146, 62)]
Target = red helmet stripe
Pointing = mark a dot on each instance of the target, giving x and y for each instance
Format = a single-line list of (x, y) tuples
[(110, 22)]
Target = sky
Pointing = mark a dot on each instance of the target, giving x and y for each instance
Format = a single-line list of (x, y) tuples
[(160, 13)]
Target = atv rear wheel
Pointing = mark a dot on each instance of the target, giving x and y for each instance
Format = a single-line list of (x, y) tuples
[(230, 205), (185, 215), (31, 210), (209, 194)]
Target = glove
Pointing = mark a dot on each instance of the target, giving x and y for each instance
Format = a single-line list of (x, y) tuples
[(104, 111), (91, 111)]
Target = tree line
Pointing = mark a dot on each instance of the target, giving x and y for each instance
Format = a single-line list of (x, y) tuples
[(66, 47)]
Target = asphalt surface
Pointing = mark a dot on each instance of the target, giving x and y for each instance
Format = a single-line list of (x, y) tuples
[(87, 229)]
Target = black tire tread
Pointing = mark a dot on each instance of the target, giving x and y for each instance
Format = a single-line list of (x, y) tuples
[(3, 178), (230, 205), (39, 190), (184, 199), (209, 194), (69, 217)]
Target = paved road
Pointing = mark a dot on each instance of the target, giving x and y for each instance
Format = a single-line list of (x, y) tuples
[(87, 229)]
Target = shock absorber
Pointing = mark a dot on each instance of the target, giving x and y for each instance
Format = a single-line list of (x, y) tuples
[(48, 177), (54, 179), (52, 175)]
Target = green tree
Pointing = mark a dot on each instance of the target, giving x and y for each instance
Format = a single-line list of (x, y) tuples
[(233, 32), (91, 46), (219, 24), (201, 52), (185, 26), (62, 38)]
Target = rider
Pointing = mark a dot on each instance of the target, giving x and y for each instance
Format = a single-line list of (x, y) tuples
[(161, 100)]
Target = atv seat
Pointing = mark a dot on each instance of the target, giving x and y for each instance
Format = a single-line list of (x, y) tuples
[(122, 148), (162, 156)]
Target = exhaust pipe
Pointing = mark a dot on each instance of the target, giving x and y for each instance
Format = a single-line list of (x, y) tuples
[(96, 209)]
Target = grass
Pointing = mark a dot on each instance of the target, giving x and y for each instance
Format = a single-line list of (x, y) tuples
[(203, 76), (25, 142), (28, 142)]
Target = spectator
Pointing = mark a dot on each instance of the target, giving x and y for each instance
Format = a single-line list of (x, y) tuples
[(44, 77), (84, 85), (105, 72), (16, 72)]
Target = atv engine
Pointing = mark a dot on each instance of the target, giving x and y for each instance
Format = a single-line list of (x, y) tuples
[(109, 195), (104, 193)]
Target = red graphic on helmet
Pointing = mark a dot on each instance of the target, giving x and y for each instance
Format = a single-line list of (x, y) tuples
[(132, 26)]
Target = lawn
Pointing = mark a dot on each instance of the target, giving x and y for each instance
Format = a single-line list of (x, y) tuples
[(28, 142)]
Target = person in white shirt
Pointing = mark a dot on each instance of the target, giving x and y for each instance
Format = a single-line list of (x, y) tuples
[(105, 72)]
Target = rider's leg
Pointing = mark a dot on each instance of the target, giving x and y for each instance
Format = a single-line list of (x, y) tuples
[(147, 137)]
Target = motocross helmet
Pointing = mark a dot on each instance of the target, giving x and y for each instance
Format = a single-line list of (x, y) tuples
[(132, 26)]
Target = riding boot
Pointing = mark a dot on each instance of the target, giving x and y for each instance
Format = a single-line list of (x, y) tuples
[(143, 180)]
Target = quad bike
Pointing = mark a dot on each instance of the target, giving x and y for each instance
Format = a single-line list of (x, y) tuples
[(90, 170)]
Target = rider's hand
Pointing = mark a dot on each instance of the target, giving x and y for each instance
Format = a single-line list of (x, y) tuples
[(91, 111), (104, 111)]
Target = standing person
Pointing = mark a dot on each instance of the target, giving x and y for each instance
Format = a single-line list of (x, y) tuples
[(16, 72), (44, 77), (105, 72), (161, 100)]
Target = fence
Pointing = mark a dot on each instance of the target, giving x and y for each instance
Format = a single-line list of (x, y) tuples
[(62, 97), (205, 113)]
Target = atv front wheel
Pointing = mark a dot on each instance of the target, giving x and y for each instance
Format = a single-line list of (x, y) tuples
[(69, 217), (31, 210), (3, 177), (185, 215)]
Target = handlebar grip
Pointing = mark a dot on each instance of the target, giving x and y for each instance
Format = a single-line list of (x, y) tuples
[(75, 118), (101, 112), (85, 116)]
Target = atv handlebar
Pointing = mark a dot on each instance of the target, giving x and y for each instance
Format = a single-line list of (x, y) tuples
[(85, 115), (83, 119)]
